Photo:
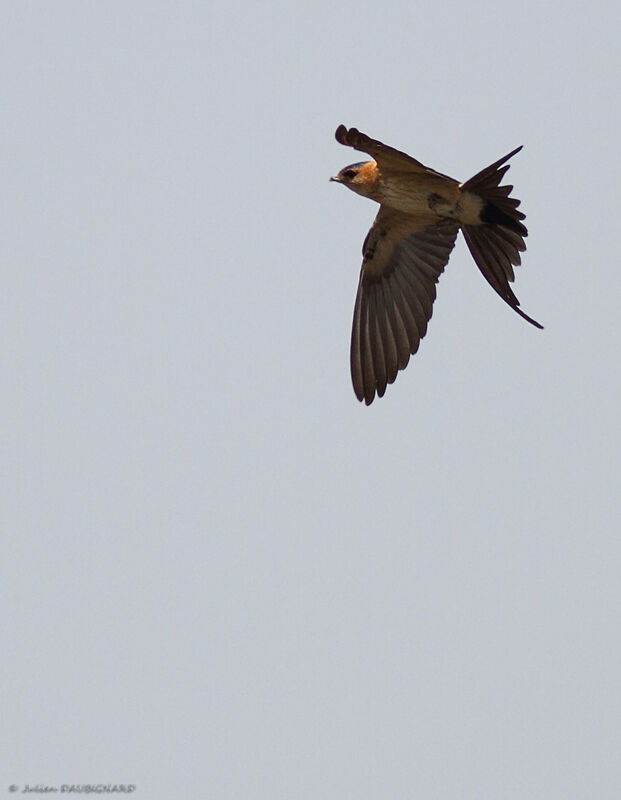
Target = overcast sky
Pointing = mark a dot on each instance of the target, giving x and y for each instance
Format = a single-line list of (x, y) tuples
[(223, 577)]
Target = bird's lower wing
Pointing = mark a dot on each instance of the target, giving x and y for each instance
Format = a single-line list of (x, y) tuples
[(403, 258)]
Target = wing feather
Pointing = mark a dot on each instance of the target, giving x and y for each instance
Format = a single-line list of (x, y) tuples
[(388, 338), (404, 301), (402, 344), (414, 296), (376, 344)]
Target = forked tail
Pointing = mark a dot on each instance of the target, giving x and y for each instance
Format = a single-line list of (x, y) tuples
[(496, 243)]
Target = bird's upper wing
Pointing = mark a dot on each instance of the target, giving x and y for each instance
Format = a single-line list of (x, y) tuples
[(403, 257), (387, 158)]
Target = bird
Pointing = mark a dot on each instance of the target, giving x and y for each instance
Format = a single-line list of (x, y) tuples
[(409, 244)]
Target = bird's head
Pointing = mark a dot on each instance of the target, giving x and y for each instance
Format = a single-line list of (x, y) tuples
[(360, 178)]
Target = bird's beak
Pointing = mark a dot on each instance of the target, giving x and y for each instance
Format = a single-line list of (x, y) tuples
[(336, 179)]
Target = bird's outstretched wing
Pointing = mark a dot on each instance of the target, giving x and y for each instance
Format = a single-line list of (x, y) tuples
[(387, 158), (403, 257)]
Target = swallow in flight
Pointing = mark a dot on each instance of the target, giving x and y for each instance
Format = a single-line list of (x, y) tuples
[(409, 244)]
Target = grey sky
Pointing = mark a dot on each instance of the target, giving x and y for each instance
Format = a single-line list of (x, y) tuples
[(223, 577)]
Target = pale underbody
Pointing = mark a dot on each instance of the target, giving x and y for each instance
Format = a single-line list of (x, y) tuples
[(436, 197)]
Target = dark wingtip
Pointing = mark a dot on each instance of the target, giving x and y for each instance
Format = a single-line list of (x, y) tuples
[(347, 137), (340, 134)]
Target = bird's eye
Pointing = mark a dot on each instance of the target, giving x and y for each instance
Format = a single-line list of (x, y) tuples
[(349, 174)]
